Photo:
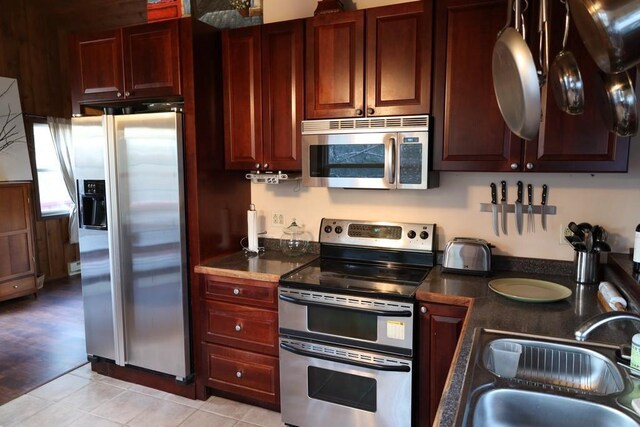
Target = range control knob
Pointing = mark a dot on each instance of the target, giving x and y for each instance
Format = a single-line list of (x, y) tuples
[(327, 229), (424, 235), (338, 229), (411, 234)]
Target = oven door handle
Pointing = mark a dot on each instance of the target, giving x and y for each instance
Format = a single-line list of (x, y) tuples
[(402, 313), (377, 367)]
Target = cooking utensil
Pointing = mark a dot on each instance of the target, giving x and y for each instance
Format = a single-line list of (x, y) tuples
[(610, 31), (588, 240), (565, 78), (518, 208), (515, 79), (622, 115), (530, 222), (584, 226), (543, 207), (494, 208), (503, 205), (576, 230), (600, 246)]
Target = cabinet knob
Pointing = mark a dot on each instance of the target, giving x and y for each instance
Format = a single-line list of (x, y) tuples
[(529, 166), (15, 286), (265, 166), (119, 94), (238, 328), (239, 374), (127, 93), (257, 165), (423, 309), (370, 111), (514, 166), (236, 291), (358, 112)]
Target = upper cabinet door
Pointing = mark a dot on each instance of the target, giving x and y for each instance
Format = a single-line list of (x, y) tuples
[(334, 65), (580, 143), (282, 94), (470, 134), (152, 60), (242, 88), (96, 66), (399, 44)]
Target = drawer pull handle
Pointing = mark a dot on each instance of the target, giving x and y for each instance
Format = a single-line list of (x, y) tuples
[(236, 291), (239, 374), (238, 328)]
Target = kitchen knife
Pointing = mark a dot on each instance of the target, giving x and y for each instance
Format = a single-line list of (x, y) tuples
[(530, 222), (503, 204), (543, 207), (494, 207), (518, 208)]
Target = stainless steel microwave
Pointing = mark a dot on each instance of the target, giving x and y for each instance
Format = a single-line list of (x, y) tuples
[(377, 153)]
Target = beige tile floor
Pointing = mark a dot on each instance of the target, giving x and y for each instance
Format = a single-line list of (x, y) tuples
[(84, 398)]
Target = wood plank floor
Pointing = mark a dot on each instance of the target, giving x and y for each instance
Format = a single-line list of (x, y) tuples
[(41, 338)]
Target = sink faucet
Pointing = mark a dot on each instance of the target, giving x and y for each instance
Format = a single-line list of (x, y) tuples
[(585, 328)]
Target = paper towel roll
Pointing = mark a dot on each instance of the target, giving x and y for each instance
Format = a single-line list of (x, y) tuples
[(611, 295), (252, 229)]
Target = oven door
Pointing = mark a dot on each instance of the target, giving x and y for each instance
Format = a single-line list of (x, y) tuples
[(367, 323), (359, 160), (323, 385)]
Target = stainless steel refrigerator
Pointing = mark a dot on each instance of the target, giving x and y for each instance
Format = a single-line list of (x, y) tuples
[(130, 182)]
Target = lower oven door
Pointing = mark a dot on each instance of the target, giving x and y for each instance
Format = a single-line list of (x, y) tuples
[(353, 321), (322, 385)]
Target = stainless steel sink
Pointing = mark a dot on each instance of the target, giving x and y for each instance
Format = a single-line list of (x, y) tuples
[(511, 407), (560, 367)]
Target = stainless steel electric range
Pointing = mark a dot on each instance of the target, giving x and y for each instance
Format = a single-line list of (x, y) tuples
[(346, 324)]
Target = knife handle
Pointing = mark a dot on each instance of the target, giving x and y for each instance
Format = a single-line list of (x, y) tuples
[(494, 193), (519, 184), (530, 193), (503, 191), (544, 194)]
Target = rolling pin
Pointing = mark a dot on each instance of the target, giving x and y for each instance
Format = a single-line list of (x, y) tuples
[(611, 298)]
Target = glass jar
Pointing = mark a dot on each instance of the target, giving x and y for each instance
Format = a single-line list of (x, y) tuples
[(294, 241)]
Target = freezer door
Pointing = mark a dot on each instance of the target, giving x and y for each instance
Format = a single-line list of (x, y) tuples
[(89, 144), (151, 243)]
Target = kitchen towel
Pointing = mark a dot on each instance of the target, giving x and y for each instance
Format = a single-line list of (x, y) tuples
[(252, 228), (611, 295)]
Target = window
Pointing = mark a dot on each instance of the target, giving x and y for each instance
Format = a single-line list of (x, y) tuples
[(51, 193)]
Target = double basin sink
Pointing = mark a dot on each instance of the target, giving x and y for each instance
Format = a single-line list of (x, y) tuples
[(521, 380)]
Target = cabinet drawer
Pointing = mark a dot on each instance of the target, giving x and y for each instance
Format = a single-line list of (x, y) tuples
[(242, 327), (18, 288), (244, 373), (262, 294)]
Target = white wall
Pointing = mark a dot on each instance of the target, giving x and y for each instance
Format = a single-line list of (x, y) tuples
[(611, 200), (283, 10)]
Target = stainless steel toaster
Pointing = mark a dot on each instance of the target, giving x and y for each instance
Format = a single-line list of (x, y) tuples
[(467, 255)]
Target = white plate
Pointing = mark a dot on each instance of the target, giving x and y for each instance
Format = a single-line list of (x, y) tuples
[(529, 290)]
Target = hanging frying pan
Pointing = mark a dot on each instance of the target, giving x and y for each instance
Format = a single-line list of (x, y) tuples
[(515, 79), (622, 115), (610, 30)]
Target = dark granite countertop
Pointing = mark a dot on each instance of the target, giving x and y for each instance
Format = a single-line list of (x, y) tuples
[(492, 311), (266, 266)]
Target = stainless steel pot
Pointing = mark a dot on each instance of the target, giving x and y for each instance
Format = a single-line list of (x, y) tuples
[(623, 118), (565, 78), (515, 79), (610, 30)]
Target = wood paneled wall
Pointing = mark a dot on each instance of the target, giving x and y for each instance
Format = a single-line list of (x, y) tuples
[(34, 50)]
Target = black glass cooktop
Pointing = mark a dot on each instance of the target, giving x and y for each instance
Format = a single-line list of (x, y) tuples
[(357, 278)]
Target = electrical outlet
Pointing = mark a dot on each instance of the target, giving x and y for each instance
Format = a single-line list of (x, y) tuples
[(564, 232), (278, 219)]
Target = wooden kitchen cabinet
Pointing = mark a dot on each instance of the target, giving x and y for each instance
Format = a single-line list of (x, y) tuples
[(139, 62), (17, 264), (372, 62), (240, 339), (439, 328), (470, 134), (263, 96)]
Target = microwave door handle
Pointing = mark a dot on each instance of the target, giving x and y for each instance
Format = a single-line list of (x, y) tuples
[(392, 163), (402, 313), (376, 366)]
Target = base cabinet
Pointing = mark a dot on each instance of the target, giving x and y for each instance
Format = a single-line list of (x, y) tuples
[(439, 329), (240, 339)]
